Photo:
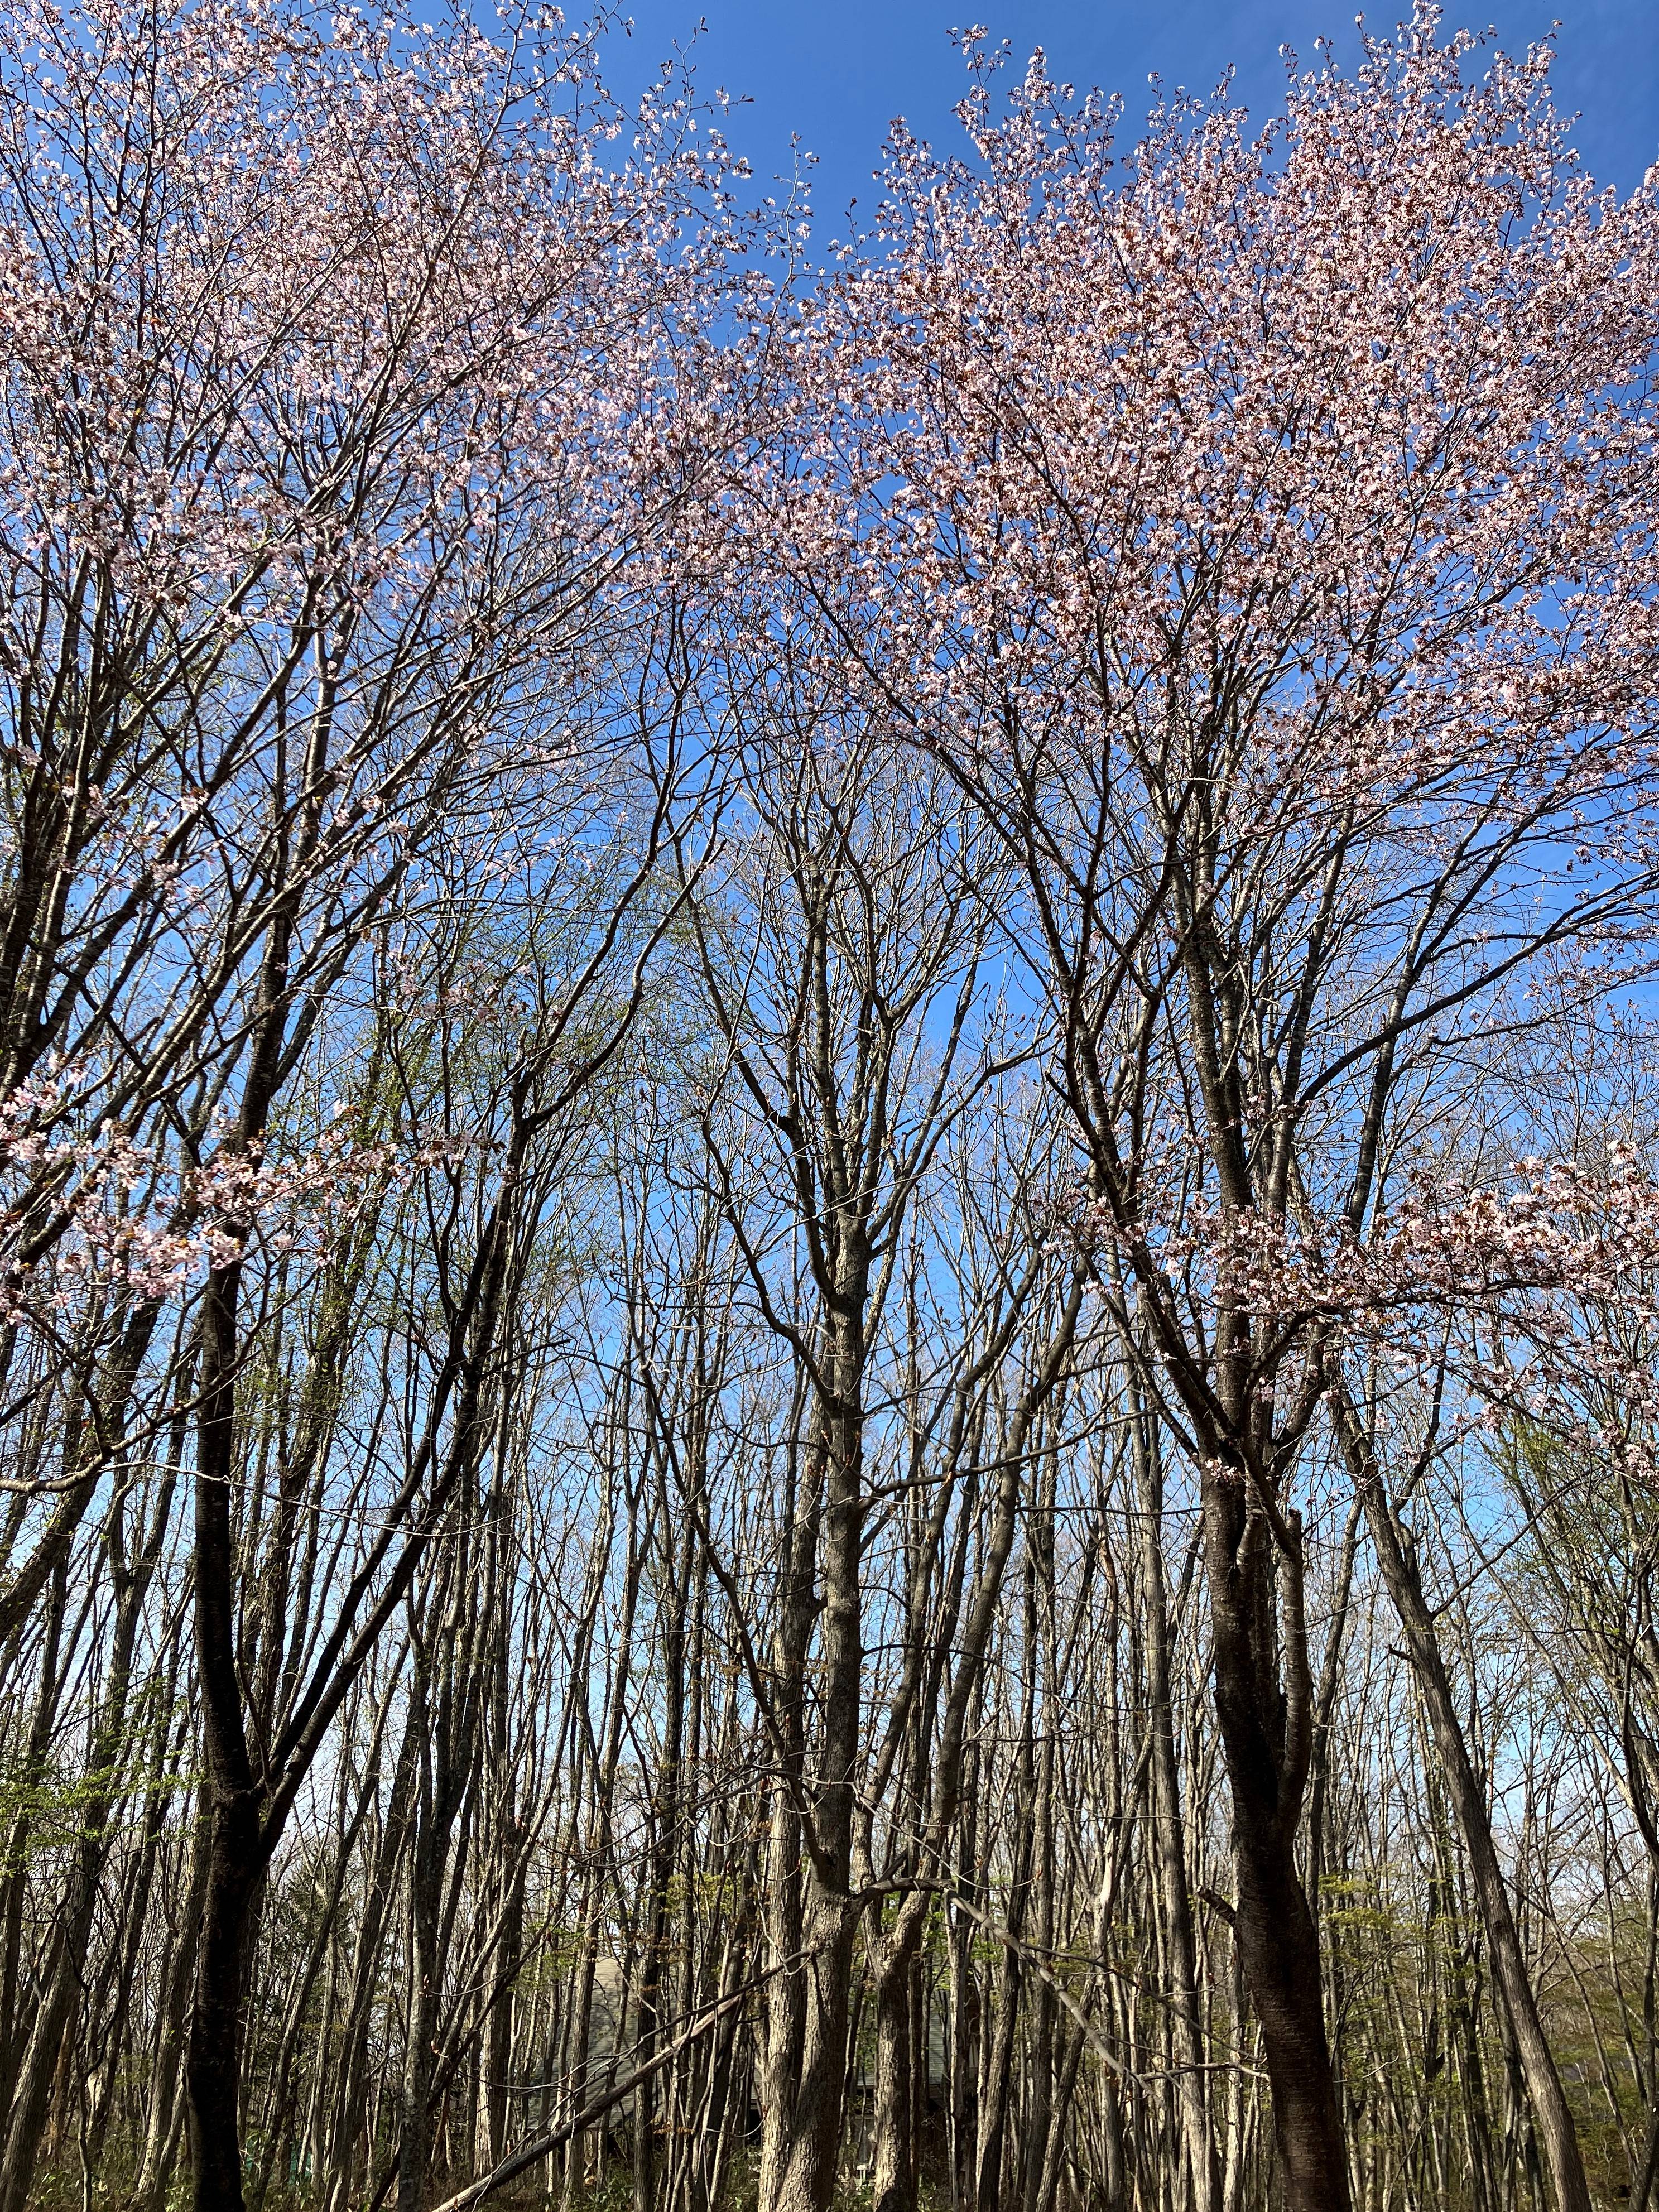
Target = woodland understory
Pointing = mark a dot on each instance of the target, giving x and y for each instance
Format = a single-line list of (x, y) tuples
[(829, 1140)]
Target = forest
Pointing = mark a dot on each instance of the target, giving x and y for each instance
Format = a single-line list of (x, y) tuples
[(829, 1137)]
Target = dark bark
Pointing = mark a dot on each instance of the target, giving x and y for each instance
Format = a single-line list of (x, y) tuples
[(1265, 1731), (236, 1847), (1168, 1836)]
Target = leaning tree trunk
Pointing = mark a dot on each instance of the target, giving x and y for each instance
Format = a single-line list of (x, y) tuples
[(1558, 2137)]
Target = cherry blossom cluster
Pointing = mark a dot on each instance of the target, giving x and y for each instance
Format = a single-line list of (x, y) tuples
[(388, 278), (1554, 1226), (1313, 463), (139, 1228)]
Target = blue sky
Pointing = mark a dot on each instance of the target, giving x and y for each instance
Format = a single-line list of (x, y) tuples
[(837, 71)]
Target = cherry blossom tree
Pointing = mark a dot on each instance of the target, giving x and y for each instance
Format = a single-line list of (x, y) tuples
[(337, 371), (1256, 526)]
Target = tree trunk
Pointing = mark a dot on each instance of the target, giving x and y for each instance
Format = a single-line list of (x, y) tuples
[(1168, 1839), (803, 2170), (235, 1842), (893, 2163), (1558, 2137), (1265, 1731), (800, 2158), (213, 2053)]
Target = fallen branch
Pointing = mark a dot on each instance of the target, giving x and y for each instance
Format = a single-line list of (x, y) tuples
[(498, 2177)]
